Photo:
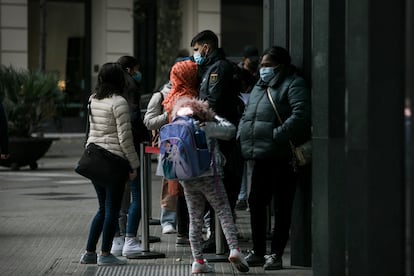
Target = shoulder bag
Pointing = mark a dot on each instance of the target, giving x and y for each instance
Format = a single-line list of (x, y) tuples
[(302, 154), (100, 165)]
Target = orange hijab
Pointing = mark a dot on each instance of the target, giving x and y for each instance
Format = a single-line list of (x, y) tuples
[(184, 83)]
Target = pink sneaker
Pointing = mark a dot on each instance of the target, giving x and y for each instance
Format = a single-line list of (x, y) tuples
[(201, 268), (236, 258)]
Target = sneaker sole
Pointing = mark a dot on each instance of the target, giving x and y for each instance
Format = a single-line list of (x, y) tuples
[(201, 272), (128, 253), (111, 264), (238, 264), (116, 253), (85, 262), (119, 262)]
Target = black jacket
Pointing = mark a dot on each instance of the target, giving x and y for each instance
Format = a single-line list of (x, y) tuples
[(216, 86), (133, 96), (260, 133)]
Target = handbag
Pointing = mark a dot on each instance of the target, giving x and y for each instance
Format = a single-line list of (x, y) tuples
[(302, 154), (100, 165)]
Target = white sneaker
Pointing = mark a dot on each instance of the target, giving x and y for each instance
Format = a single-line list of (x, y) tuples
[(168, 229), (117, 245), (201, 268), (236, 258), (131, 246)]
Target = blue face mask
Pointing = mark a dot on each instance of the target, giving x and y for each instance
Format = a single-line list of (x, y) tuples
[(137, 76), (198, 58), (267, 74)]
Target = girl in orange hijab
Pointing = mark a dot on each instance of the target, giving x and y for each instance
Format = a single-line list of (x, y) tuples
[(184, 83)]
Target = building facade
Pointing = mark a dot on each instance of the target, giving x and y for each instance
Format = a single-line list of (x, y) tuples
[(356, 215)]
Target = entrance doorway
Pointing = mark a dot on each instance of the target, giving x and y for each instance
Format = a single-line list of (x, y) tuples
[(59, 41)]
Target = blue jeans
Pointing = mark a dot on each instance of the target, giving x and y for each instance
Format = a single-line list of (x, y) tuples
[(243, 187), (134, 212), (168, 217), (246, 179), (106, 219)]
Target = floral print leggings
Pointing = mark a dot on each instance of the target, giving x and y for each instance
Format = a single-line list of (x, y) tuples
[(197, 192)]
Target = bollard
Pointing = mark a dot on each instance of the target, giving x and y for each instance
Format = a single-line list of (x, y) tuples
[(151, 220), (144, 200), (220, 255), (146, 253), (218, 237), (146, 158)]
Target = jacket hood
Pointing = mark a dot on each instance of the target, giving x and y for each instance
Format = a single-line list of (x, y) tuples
[(192, 107)]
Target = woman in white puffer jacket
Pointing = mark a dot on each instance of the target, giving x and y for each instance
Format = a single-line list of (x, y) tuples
[(110, 128)]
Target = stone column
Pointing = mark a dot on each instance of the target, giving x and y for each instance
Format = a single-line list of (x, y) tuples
[(328, 109), (375, 64)]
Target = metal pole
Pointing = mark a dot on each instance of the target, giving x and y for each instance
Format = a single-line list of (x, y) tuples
[(219, 236), (220, 255), (144, 199), (145, 164), (151, 220)]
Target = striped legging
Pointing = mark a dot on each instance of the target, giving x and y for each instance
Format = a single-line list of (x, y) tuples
[(197, 192)]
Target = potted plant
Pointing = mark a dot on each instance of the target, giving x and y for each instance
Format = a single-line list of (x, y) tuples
[(30, 99)]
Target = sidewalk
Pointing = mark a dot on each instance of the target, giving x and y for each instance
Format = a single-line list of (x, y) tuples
[(45, 216)]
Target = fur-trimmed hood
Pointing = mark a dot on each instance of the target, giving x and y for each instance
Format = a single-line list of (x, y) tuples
[(194, 108)]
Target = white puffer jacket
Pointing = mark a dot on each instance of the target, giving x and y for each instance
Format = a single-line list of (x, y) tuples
[(110, 127)]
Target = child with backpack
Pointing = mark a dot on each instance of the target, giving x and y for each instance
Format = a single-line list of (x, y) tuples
[(208, 186)]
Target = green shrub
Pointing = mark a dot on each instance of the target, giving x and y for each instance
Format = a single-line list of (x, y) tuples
[(30, 98)]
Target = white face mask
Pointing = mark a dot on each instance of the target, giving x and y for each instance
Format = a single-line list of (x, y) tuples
[(267, 74)]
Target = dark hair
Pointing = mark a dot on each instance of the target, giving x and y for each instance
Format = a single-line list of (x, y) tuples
[(128, 62), (110, 80), (250, 51), (278, 55), (183, 53), (206, 37)]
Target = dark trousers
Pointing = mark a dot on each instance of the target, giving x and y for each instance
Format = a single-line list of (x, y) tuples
[(271, 178), (183, 221), (106, 219)]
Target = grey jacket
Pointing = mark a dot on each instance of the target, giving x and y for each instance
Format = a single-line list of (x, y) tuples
[(221, 129), (155, 117)]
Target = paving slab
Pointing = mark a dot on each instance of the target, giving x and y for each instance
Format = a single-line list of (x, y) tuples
[(45, 216)]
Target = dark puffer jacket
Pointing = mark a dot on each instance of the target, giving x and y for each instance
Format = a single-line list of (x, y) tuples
[(260, 133)]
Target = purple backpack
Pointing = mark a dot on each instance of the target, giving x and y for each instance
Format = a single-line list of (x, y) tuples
[(183, 149)]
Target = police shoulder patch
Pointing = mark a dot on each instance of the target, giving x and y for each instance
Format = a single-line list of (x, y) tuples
[(213, 78)]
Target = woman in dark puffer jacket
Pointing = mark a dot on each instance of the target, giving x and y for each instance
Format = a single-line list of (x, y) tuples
[(266, 141)]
